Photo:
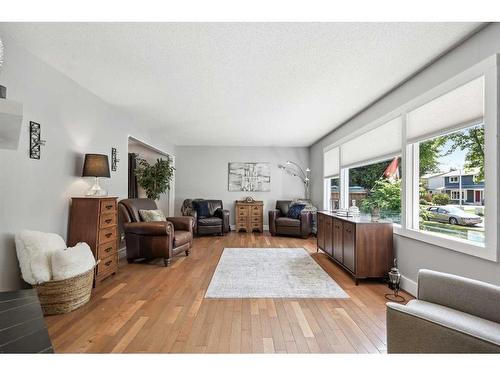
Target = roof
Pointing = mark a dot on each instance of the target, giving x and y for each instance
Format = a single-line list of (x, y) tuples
[(432, 175), (466, 172)]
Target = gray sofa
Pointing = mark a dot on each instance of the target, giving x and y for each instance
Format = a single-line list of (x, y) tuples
[(451, 314)]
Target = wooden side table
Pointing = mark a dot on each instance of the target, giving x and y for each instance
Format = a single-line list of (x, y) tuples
[(95, 221), (249, 216)]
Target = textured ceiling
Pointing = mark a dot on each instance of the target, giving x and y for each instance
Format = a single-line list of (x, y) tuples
[(270, 84)]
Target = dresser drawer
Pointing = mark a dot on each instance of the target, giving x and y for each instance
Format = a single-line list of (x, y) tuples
[(242, 211), (107, 249), (107, 234), (107, 265), (107, 220), (108, 206), (256, 219)]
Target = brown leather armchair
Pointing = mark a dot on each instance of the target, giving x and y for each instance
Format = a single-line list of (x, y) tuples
[(155, 239), (281, 224), (217, 222)]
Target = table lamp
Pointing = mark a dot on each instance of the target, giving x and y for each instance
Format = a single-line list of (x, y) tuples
[(96, 165)]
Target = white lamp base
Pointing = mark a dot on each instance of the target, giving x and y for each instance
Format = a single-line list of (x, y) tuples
[(96, 190)]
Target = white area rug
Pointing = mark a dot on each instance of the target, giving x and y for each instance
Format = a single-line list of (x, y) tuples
[(271, 273)]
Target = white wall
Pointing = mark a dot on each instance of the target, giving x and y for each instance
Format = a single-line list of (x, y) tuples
[(414, 255), (35, 194), (202, 172)]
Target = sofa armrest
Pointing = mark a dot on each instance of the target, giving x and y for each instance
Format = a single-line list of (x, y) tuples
[(182, 222), (152, 228), (273, 215), (305, 223), (460, 293)]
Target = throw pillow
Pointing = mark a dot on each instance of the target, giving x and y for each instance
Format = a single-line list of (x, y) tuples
[(201, 208), (72, 261), (34, 250), (152, 215), (295, 210)]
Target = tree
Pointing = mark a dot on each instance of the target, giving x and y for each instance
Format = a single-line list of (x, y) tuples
[(470, 140), (366, 176), (429, 152), (385, 194), (154, 179), (441, 199)]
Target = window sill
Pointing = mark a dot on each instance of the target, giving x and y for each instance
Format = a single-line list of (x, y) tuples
[(457, 245)]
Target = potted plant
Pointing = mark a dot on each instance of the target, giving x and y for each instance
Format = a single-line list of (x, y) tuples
[(154, 178)]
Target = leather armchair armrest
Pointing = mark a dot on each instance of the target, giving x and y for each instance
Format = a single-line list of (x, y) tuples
[(182, 222), (305, 223), (224, 215), (152, 228), (194, 215), (273, 215)]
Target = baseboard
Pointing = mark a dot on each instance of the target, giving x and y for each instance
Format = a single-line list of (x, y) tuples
[(409, 286)]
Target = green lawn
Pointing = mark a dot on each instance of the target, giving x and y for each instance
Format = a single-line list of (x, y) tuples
[(475, 234)]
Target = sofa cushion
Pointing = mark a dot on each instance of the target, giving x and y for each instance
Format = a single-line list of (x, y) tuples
[(152, 215), (287, 222), (201, 208), (456, 320), (283, 206), (181, 237), (295, 210), (209, 221)]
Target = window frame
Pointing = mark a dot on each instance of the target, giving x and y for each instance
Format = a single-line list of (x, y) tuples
[(488, 69)]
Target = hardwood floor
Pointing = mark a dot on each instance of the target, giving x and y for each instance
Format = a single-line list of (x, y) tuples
[(147, 308)]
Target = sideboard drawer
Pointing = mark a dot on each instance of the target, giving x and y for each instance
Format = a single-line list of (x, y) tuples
[(107, 220), (107, 266), (108, 206), (107, 234), (107, 249)]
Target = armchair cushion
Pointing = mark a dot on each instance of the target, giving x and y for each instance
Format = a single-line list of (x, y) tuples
[(210, 221), (295, 210), (153, 228), (283, 207), (152, 215), (287, 222)]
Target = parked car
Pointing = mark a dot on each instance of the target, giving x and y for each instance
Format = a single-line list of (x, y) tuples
[(452, 215)]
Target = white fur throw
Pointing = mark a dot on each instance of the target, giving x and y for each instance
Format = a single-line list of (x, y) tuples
[(34, 250), (72, 261)]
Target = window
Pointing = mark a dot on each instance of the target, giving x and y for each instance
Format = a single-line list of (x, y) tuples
[(377, 186), (457, 157), (334, 197)]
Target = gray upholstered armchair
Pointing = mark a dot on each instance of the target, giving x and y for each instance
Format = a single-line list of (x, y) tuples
[(451, 315)]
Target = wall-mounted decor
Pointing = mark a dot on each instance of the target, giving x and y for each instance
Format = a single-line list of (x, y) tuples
[(35, 141), (249, 177), (114, 159)]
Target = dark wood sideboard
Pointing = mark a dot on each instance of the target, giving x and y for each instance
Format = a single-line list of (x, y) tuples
[(95, 221), (362, 247)]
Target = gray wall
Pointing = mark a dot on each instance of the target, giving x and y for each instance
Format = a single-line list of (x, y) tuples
[(202, 173), (35, 194), (412, 254)]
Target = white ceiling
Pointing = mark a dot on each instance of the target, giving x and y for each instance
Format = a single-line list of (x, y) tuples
[(241, 84)]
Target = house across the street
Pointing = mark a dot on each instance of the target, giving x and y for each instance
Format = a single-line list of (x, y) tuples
[(472, 191)]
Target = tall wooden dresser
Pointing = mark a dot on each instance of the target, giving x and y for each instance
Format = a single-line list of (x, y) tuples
[(249, 216), (94, 221)]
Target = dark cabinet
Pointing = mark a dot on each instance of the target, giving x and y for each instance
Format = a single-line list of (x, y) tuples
[(328, 236), (338, 242), (348, 241), (362, 247)]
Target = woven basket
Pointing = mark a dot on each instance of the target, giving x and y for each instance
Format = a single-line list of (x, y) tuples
[(63, 296)]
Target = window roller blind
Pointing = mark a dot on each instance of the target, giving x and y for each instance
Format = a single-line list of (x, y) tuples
[(382, 141), (461, 106), (331, 162)]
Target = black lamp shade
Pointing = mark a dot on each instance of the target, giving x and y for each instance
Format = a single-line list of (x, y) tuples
[(96, 165)]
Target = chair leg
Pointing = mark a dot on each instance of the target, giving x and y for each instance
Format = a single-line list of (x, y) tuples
[(166, 261), (187, 252), (130, 261)]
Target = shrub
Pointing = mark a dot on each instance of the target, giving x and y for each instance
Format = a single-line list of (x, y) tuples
[(441, 199)]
